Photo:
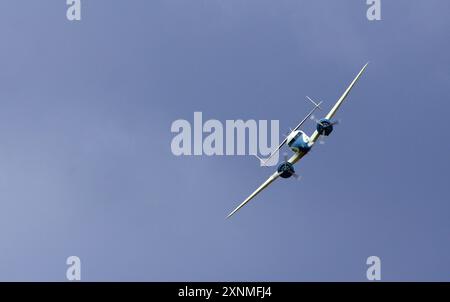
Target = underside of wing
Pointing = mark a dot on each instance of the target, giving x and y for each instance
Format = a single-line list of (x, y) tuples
[(296, 157), (336, 106), (344, 95), (262, 187)]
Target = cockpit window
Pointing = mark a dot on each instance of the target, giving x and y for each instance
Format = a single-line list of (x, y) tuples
[(294, 139)]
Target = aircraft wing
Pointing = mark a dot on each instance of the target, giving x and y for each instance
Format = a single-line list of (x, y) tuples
[(262, 187), (297, 156), (338, 104)]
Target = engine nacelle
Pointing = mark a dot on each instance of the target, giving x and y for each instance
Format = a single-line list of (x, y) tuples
[(324, 127), (286, 169)]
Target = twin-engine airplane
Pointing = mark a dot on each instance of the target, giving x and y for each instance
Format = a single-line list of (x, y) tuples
[(301, 143)]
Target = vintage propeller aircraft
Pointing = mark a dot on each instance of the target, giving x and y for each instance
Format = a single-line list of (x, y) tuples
[(300, 143)]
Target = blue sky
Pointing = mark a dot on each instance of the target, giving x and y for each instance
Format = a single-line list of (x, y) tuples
[(86, 167)]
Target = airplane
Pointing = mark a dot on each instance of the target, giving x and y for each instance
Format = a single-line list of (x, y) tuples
[(300, 143)]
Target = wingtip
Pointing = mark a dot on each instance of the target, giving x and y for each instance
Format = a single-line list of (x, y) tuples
[(229, 215), (364, 68), (234, 211)]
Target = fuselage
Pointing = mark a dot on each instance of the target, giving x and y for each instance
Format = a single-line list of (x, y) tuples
[(298, 141)]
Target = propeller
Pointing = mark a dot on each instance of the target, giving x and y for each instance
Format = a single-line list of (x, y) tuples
[(321, 140), (286, 160), (332, 123), (335, 122)]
